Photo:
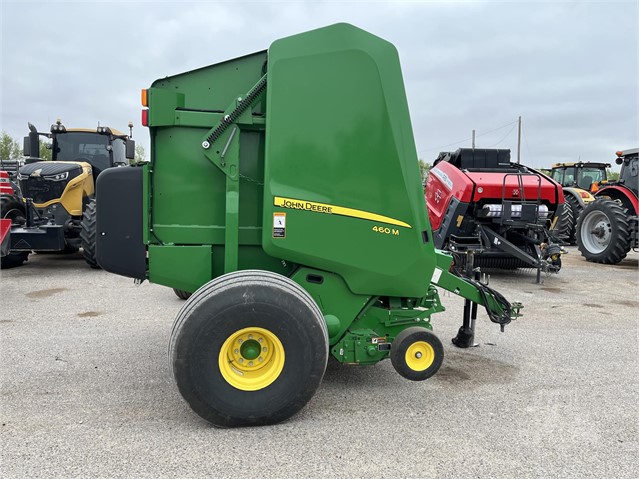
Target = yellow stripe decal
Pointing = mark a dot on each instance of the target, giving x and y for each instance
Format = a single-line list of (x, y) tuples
[(335, 210)]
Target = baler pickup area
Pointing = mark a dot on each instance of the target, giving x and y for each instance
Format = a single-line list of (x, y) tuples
[(492, 213)]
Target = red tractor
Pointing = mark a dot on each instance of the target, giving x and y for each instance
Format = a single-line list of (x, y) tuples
[(607, 228), (492, 213)]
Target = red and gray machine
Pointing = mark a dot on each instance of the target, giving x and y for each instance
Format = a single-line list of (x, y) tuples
[(492, 213), (607, 228)]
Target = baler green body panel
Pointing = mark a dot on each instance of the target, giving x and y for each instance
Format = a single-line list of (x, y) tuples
[(342, 140), (339, 139), (188, 191), (300, 161)]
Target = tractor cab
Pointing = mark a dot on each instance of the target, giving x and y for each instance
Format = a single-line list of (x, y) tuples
[(580, 175), (629, 174), (101, 148)]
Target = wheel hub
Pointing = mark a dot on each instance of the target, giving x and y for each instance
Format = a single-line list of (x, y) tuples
[(600, 231), (251, 359), (597, 232), (420, 356)]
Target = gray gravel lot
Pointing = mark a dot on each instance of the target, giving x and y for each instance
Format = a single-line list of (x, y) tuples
[(86, 389)]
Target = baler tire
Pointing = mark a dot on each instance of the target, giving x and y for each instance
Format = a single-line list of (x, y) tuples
[(180, 293), (576, 211), (88, 234), (416, 353), (207, 368), (609, 215)]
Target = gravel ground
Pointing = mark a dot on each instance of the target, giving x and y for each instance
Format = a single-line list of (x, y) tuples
[(86, 389)]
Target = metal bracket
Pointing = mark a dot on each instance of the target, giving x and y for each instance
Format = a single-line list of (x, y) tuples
[(221, 143)]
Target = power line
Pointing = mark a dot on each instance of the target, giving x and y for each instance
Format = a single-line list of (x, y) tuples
[(504, 137), (498, 128), (470, 138)]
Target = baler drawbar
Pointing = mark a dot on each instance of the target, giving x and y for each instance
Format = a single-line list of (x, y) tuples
[(283, 192)]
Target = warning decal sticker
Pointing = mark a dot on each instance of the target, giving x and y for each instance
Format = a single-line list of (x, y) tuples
[(279, 225)]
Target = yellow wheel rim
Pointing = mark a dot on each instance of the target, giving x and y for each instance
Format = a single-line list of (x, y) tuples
[(251, 359), (420, 356)]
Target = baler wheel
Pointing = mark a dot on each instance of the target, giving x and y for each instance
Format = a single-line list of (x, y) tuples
[(248, 349), (180, 293), (417, 354)]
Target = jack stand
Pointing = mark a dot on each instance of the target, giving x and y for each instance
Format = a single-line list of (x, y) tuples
[(466, 335)]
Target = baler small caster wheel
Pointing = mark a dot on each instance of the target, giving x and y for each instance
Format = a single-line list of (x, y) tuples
[(249, 348), (417, 354)]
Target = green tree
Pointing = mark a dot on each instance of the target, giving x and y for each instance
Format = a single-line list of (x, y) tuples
[(140, 154), (45, 153), (424, 168), (612, 175), (9, 148)]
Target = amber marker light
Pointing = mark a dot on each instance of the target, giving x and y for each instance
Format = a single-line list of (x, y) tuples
[(145, 97)]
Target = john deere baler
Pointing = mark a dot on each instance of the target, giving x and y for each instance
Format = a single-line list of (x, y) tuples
[(284, 191)]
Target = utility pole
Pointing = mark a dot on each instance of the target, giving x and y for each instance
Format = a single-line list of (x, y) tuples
[(519, 141), (473, 139)]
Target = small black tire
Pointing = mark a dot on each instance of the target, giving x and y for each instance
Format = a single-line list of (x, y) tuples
[(88, 234), (180, 293), (205, 344), (416, 353), (603, 232)]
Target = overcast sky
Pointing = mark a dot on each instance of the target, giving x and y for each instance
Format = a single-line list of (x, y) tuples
[(570, 69)]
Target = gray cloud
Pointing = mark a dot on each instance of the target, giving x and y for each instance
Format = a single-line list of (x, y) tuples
[(570, 69)]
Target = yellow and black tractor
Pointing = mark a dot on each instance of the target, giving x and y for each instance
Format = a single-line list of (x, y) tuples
[(59, 208)]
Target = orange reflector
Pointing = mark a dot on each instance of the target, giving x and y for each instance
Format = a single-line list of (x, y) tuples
[(145, 117), (594, 187), (145, 97), (619, 153)]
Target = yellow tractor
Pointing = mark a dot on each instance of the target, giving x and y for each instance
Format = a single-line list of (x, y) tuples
[(58, 209)]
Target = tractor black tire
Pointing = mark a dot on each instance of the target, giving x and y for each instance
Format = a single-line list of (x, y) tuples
[(416, 353), (576, 211), (218, 379), (565, 225), (88, 234), (603, 233), (13, 260), (180, 293), (11, 208)]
